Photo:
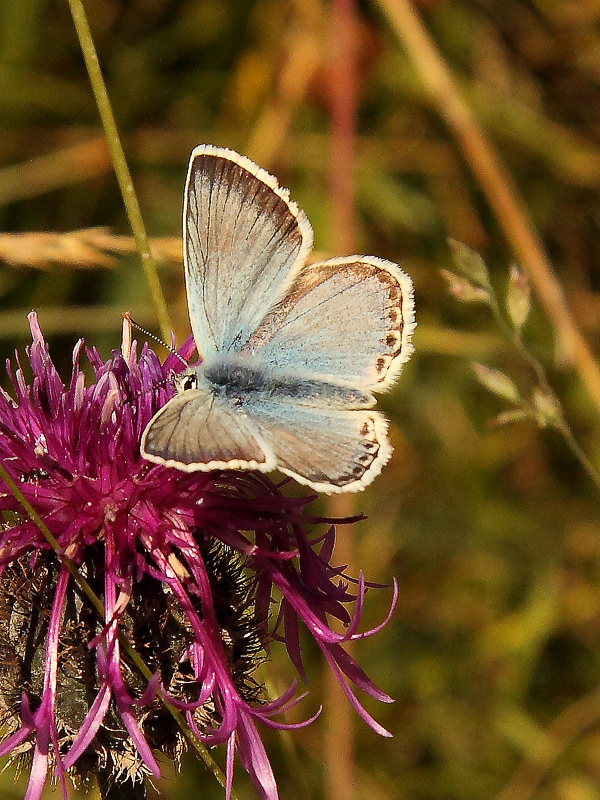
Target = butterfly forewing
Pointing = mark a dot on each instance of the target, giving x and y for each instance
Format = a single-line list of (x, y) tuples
[(243, 241)]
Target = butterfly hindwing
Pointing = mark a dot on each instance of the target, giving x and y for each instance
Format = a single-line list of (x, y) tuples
[(196, 430), (330, 449), (349, 319)]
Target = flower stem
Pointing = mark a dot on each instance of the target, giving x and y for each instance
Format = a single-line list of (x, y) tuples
[(560, 425), (38, 522), (130, 200), (579, 453)]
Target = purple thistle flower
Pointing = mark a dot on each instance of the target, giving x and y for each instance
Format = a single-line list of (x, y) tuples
[(182, 583)]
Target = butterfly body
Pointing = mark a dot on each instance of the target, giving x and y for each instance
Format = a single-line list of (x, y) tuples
[(242, 381), (291, 352)]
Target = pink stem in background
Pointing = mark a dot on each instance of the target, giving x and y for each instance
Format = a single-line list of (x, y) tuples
[(339, 722)]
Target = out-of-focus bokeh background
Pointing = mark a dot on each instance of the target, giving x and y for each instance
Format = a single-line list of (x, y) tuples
[(493, 653)]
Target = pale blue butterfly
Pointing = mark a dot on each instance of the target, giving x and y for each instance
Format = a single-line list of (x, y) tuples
[(291, 352)]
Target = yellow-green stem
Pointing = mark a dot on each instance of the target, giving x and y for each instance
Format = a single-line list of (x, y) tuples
[(36, 519), (130, 200)]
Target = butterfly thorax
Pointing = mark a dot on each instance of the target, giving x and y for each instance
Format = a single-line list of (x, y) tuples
[(241, 379)]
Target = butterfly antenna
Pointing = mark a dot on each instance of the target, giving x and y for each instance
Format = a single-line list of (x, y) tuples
[(157, 339), (156, 385)]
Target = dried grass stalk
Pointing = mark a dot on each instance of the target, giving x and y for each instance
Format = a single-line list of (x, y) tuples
[(88, 248)]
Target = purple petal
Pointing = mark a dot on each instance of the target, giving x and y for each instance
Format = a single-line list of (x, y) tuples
[(254, 758)]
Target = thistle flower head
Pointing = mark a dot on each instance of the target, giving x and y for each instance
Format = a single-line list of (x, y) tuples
[(187, 567)]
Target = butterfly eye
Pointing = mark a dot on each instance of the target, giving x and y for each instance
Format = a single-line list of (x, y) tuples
[(187, 382), (184, 381)]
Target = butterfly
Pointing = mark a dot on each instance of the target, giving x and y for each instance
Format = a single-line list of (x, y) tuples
[(291, 352)]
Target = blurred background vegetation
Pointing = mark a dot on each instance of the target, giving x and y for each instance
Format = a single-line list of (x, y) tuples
[(493, 653)]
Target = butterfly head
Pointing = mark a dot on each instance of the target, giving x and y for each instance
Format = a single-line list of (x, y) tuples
[(186, 380)]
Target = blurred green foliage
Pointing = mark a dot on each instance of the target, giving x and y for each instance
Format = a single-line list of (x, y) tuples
[(493, 653)]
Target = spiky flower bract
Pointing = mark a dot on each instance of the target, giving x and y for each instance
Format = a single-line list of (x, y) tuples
[(188, 567)]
